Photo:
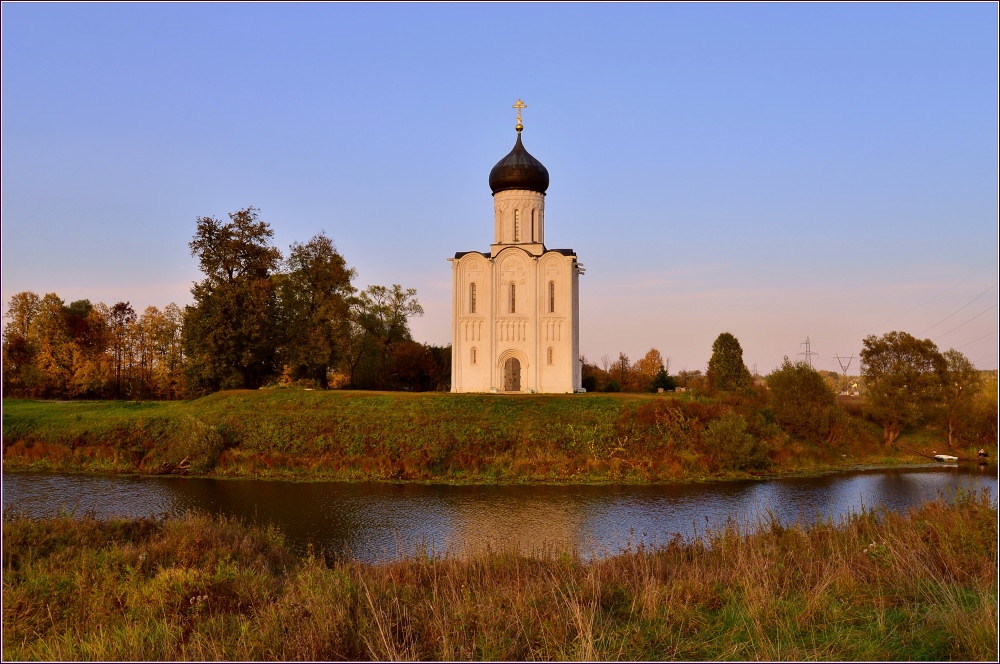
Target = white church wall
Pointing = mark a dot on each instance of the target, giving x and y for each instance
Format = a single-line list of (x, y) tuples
[(472, 321), (555, 306)]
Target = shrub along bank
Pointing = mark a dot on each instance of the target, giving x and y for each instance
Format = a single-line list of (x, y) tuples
[(428, 436)]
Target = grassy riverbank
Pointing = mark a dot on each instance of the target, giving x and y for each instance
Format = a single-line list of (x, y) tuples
[(879, 586), (429, 436)]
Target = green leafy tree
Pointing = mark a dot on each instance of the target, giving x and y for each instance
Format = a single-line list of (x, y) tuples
[(412, 367), (726, 370), (121, 320), (645, 370), (84, 349), (981, 424), (87, 330), (93, 358), (803, 402), (315, 295), (442, 362), (691, 380), (662, 380), (960, 381), (621, 372), (594, 377), (832, 379), (379, 320), (902, 376), (20, 347), (159, 353), (55, 348), (230, 331)]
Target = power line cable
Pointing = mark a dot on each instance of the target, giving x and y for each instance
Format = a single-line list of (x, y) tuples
[(969, 343), (950, 289), (982, 360), (966, 322), (959, 309)]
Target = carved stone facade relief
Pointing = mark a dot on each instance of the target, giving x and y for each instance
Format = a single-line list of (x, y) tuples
[(472, 329), (513, 269), (512, 329), (553, 328)]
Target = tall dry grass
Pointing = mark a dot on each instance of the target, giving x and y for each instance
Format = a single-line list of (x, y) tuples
[(878, 586)]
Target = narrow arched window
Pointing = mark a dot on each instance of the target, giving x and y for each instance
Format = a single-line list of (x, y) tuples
[(513, 298), (550, 355), (472, 298), (552, 297), (517, 225), (473, 356)]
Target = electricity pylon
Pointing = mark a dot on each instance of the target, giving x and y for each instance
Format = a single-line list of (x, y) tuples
[(808, 352), (844, 380), (844, 367)]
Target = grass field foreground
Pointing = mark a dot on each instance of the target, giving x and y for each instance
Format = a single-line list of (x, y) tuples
[(877, 586)]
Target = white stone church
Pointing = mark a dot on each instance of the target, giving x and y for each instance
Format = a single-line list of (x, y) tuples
[(516, 308)]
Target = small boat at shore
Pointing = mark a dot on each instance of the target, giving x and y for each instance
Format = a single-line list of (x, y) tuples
[(945, 458)]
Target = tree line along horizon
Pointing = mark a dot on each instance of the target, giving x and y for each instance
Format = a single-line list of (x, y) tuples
[(261, 319)]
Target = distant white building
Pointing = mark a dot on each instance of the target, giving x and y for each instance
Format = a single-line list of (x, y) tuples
[(516, 309)]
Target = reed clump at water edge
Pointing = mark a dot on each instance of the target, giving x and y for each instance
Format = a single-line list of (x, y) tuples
[(875, 586)]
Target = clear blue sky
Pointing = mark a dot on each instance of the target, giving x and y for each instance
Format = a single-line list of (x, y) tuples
[(777, 171)]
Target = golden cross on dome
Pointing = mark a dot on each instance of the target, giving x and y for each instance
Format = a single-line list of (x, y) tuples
[(519, 105)]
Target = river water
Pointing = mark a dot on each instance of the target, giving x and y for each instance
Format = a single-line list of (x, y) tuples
[(376, 522)]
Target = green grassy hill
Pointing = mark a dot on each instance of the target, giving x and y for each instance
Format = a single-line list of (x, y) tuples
[(425, 436)]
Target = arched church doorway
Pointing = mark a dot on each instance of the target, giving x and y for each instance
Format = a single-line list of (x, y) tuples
[(512, 375)]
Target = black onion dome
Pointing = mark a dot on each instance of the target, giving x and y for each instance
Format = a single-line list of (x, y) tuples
[(519, 170)]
